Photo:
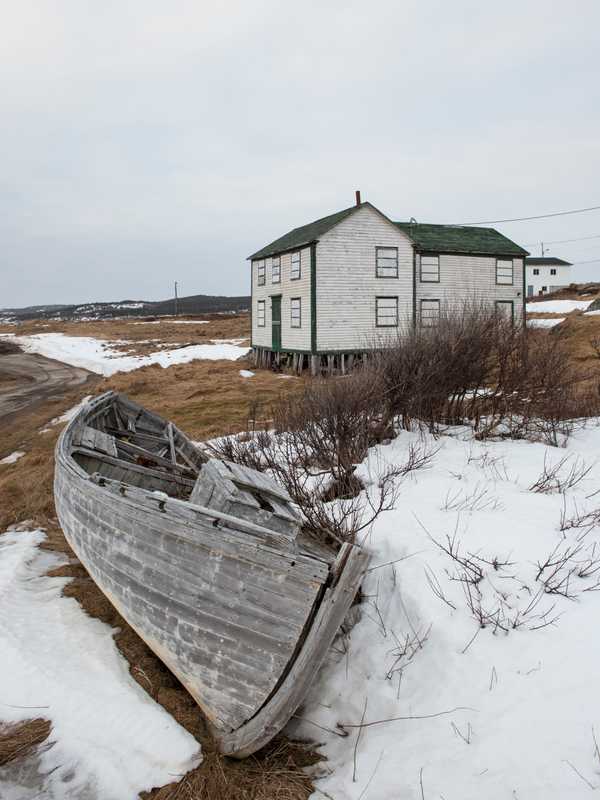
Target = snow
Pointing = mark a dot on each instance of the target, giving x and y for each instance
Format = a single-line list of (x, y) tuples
[(494, 714), (544, 323), (245, 373), (13, 457), (592, 313), (100, 357), (558, 306), (110, 740)]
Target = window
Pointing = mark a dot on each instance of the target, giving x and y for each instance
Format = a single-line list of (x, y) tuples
[(504, 271), (296, 312), (430, 313), (276, 269), (260, 317), (552, 272), (536, 272), (544, 288), (295, 270), (386, 312), (430, 269), (260, 272), (506, 309), (387, 262)]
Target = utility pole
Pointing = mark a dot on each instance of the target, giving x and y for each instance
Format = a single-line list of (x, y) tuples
[(543, 251), (175, 298)]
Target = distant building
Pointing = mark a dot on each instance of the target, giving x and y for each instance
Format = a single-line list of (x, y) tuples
[(544, 275), (322, 292)]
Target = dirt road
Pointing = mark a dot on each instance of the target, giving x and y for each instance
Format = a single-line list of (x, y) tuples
[(27, 380)]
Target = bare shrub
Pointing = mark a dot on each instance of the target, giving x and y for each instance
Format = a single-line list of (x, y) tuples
[(475, 367), (319, 439), (554, 478)]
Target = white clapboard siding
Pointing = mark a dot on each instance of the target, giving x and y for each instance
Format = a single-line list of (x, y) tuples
[(347, 284), (471, 278), (291, 338)]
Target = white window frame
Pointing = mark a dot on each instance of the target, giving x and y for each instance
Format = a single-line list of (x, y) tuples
[(429, 313), (553, 271), (502, 276), (260, 314), (386, 262), (295, 312), (386, 320), (276, 269), (296, 266), (431, 273), (260, 272), (536, 271)]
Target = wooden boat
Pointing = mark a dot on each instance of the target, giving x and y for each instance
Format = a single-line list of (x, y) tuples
[(206, 560)]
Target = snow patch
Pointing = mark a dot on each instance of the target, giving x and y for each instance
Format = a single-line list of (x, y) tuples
[(245, 373), (557, 306), (100, 357), (544, 323), (13, 457), (109, 739), (471, 712)]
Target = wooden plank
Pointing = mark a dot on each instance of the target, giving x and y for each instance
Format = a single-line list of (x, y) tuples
[(130, 466), (277, 711), (135, 449), (171, 443)]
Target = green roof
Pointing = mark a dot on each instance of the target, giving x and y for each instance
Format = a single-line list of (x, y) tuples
[(427, 238), (305, 234), (460, 239)]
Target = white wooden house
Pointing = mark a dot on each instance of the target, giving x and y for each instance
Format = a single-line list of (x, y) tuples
[(330, 289), (545, 275)]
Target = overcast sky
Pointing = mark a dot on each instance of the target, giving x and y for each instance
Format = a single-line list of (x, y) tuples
[(144, 142)]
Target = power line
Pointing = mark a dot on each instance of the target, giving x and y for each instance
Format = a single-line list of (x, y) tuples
[(538, 216), (565, 241), (591, 261)]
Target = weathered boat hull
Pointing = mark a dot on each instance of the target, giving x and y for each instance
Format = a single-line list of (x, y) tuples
[(238, 613)]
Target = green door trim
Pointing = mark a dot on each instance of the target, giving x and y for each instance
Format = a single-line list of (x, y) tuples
[(313, 297), (276, 323)]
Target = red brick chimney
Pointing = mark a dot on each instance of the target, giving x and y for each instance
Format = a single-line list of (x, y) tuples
[(358, 197)]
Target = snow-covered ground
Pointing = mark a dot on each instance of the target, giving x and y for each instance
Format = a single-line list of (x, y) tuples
[(98, 356), (109, 739), (557, 306), (451, 709), (544, 323)]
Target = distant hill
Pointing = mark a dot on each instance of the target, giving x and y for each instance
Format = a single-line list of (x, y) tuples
[(194, 304)]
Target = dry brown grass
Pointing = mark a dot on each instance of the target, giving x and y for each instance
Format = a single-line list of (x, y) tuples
[(276, 773), (20, 739)]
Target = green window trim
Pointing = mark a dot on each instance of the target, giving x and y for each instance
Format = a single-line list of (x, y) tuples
[(296, 266), (386, 312), (505, 272), (429, 312), (386, 262), (260, 314), (260, 273), (276, 269), (295, 312), (429, 269), (499, 308)]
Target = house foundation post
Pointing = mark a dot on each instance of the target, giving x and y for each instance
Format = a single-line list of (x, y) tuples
[(314, 365)]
